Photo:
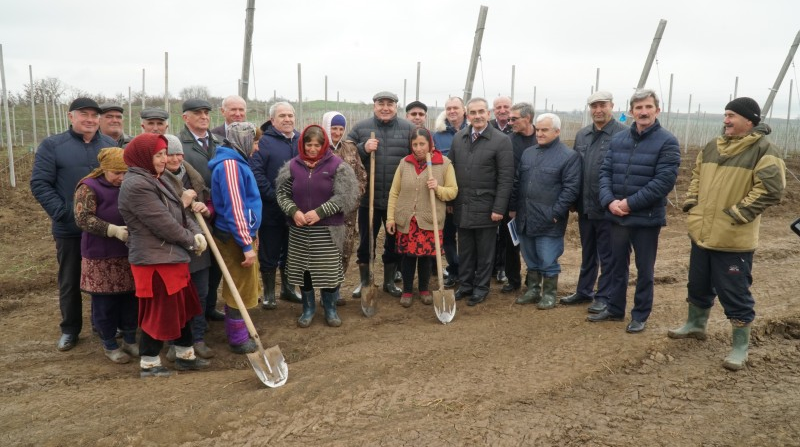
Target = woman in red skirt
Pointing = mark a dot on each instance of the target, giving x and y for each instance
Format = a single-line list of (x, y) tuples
[(160, 237), (409, 212)]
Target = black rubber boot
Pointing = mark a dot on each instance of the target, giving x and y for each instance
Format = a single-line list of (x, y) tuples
[(329, 303), (287, 290), (388, 280), (309, 308), (268, 300), (363, 271)]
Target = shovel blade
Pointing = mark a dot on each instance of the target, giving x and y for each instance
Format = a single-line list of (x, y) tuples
[(369, 305), (444, 304), (270, 366)]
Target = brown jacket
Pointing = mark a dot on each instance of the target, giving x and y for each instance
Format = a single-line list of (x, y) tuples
[(409, 195)]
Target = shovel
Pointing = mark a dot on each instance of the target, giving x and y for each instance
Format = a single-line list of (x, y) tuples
[(269, 364), (444, 302), (369, 305)]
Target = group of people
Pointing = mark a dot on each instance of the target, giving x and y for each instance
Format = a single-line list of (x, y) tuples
[(288, 202)]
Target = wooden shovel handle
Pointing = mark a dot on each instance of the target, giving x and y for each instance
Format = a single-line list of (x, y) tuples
[(435, 222)]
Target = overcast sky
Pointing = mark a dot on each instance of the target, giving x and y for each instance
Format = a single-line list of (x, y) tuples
[(101, 46)]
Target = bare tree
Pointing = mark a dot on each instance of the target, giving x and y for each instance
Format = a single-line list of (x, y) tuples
[(194, 91)]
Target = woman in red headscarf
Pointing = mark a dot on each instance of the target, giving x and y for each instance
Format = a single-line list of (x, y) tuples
[(316, 190), (409, 210), (161, 236)]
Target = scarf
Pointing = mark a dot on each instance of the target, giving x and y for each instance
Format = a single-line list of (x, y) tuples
[(241, 136), (309, 161), (139, 152)]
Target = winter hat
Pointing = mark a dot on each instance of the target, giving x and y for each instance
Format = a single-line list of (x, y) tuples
[(174, 145), (747, 107), (339, 120), (333, 119), (139, 152)]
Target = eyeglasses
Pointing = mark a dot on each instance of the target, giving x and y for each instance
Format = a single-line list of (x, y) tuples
[(417, 114), (512, 119)]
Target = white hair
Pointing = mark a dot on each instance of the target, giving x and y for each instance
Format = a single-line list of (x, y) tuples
[(551, 116)]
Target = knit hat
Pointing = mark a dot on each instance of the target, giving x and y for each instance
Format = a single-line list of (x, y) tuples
[(139, 152), (111, 159), (174, 145), (339, 120), (747, 107)]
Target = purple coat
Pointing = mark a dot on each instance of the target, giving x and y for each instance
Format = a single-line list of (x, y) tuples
[(98, 247), (312, 188)]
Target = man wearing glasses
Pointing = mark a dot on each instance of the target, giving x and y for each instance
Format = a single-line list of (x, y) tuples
[(417, 113)]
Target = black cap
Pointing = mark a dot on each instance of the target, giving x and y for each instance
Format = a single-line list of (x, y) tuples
[(196, 104), (747, 107), (416, 105), (84, 103), (109, 106), (154, 113)]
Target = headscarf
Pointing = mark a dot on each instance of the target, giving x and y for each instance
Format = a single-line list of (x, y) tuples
[(333, 119), (301, 147), (110, 159), (139, 152), (436, 156), (241, 136)]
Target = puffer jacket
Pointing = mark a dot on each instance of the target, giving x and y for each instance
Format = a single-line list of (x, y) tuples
[(444, 133), (592, 146), (733, 181), (484, 174), (61, 161), (274, 150), (545, 187), (393, 145), (160, 231), (641, 168)]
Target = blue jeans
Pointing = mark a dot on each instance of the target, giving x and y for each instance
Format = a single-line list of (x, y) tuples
[(541, 253)]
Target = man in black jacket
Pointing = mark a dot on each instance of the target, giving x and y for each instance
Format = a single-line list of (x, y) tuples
[(389, 145), (484, 165), (592, 143), (61, 162)]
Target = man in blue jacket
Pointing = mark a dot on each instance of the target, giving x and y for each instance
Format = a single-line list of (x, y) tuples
[(639, 171), (277, 146), (546, 185), (61, 161)]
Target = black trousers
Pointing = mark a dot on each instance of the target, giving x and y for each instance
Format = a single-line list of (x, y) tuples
[(68, 253), (511, 255), (390, 255), (149, 346), (725, 275), (595, 255), (273, 247), (450, 244), (476, 248), (422, 265)]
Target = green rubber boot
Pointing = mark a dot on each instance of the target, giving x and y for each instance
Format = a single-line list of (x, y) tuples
[(695, 326), (741, 341), (534, 293), (549, 288)]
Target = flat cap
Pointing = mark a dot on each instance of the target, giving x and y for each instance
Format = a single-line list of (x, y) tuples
[(84, 103), (196, 104), (416, 105), (109, 106), (384, 95), (154, 113), (600, 96)]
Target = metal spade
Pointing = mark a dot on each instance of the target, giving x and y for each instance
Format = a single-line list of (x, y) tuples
[(444, 302)]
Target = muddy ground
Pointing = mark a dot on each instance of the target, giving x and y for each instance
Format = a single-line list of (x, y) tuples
[(499, 374)]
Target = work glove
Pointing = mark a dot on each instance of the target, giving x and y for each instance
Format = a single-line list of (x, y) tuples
[(200, 244), (119, 232)]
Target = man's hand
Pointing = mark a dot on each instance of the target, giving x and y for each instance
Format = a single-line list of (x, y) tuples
[(497, 217), (249, 258), (616, 209), (512, 214), (371, 145)]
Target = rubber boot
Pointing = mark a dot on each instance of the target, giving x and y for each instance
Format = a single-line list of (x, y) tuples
[(549, 288), (339, 300), (534, 292), (388, 280), (287, 290), (363, 272), (329, 303), (268, 300), (741, 341), (695, 326), (309, 307)]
